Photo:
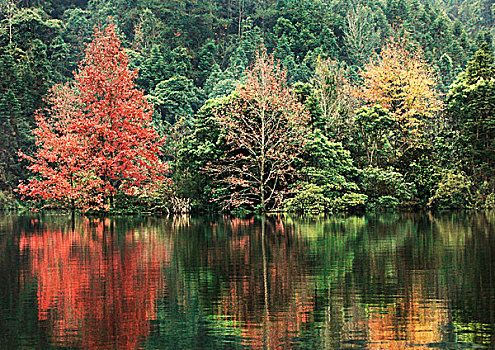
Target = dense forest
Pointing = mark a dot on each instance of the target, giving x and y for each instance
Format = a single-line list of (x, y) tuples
[(294, 105)]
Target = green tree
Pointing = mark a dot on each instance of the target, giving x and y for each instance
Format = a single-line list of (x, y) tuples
[(452, 192), (386, 188), (206, 61), (10, 115), (471, 102), (219, 83), (175, 98), (375, 130), (204, 145), (327, 178), (445, 72)]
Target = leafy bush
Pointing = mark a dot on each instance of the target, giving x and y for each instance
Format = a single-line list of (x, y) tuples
[(387, 202), (490, 201), (350, 202), (386, 188), (7, 200), (309, 198), (452, 192)]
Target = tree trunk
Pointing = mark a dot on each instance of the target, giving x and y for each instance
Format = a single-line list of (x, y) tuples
[(266, 334), (240, 18), (10, 20), (262, 172)]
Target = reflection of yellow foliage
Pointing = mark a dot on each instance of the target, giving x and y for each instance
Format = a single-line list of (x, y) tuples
[(414, 320)]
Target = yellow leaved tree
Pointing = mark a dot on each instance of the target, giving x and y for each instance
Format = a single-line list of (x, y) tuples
[(402, 82)]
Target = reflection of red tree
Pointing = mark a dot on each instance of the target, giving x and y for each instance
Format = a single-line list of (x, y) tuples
[(268, 320), (94, 292)]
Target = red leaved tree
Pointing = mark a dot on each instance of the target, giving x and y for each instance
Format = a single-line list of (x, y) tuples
[(95, 139), (265, 128)]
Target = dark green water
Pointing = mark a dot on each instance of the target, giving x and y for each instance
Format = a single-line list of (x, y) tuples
[(372, 282)]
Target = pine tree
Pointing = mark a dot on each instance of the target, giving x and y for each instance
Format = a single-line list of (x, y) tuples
[(12, 124), (471, 102)]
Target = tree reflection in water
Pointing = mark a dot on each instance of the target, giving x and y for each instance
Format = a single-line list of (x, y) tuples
[(269, 296), (96, 287), (277, 282)]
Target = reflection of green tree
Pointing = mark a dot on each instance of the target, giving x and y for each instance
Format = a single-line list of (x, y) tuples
[(465, 264), (182, 322), (18, 309), (337, 241), (185, 317)]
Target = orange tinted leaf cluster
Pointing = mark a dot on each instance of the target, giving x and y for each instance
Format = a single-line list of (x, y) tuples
[(96, 138)]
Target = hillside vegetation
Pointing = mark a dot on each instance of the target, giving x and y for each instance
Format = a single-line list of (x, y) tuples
[(300, 105)]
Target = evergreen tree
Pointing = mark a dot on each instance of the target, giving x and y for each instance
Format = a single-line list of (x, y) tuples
[(471, 102), (13, 123), (219, 83), (175, 98), (9, 115)]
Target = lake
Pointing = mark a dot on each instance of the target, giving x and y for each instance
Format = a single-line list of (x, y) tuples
[(391, 281)]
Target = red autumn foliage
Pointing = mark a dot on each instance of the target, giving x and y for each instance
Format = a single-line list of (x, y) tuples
[(266, 128), (95, 139)]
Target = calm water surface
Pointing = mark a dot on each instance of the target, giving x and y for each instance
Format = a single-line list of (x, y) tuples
[(370, 282)]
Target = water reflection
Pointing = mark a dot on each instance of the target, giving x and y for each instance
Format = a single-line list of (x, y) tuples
[(280, 282), (267, 294), (96, 288), (413, 320)]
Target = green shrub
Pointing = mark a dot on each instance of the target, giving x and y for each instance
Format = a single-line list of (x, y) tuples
[(387, 203), (350, 202), (490, 201), (8, 201), (309, 198), (452, 192), (386, 188)]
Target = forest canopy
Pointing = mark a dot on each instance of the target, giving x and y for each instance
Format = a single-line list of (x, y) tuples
[(371, 105)]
